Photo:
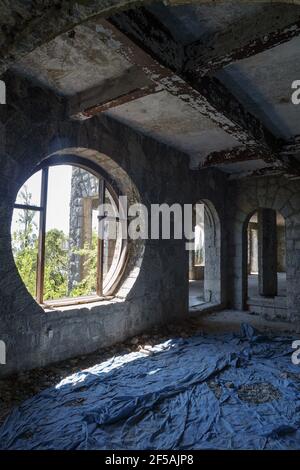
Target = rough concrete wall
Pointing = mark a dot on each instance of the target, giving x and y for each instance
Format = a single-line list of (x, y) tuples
[(212, 269), (245, 197), (210, 187), (253, 248), (35, 128), (155, 285), (281, 258)]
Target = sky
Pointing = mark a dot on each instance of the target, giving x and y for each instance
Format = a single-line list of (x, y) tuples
[(59, 192)]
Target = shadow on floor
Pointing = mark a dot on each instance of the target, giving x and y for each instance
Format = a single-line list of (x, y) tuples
[(204, 392)]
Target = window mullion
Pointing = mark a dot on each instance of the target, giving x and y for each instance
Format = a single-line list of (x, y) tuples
[(100, 257), (42, 238)]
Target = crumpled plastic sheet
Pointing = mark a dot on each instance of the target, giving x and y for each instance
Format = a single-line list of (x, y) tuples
[(165, 401)]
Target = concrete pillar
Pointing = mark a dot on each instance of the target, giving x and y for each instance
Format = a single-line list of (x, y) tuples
[(212, 269), (267, 252)]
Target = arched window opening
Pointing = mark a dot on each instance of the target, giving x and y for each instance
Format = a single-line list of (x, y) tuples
[(205, 258), (266, 261), (66, 247), (197, 261)]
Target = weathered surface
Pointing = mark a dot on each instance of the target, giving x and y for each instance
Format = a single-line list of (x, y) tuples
[(267, 252), (25, 26), (36, 124), (246, 197)]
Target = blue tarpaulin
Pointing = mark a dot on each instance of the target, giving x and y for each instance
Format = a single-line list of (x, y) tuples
[(187, 395)]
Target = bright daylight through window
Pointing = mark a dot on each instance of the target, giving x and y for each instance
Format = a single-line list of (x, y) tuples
[(61, 254)]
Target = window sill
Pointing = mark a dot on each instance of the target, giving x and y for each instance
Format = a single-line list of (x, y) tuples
[(76, 302)]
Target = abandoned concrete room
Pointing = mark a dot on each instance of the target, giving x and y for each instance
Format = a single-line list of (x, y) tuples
[(149, 225)]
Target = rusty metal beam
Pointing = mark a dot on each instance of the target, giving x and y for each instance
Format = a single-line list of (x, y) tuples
[(25, 26), (285, 164), (206, 59), (198, 59), (166, 79), (260, 30), (130, 85), (91, 111), (152, 35), (224, 101), (283, 154), (212, 99), (229, 156)]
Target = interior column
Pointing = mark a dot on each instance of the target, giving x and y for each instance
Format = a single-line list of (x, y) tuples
[(267, 252)]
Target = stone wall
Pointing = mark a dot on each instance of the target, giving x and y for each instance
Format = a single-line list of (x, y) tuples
[(281, 243), (244, 198), (253, 248), (154, 287)]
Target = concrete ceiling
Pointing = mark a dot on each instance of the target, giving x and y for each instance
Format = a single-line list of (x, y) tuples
[(170, 120), (263, 84), (75, 61), (190, 23), (234, 44), (86, 60)]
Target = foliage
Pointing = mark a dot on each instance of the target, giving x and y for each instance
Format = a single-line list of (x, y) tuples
[(56, 265), (26, 259), (25, 249), (25, 243), (88, 285)]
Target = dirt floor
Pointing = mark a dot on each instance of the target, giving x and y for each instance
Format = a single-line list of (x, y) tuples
[(19, 387)]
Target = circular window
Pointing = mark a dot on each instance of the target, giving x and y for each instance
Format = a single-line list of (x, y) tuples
[(67, 235)]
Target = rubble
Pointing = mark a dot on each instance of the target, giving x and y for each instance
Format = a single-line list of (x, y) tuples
[(19, 387)]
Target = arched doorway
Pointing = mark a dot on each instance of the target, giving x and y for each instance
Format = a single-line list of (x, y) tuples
[(205, 258), (266, 263)]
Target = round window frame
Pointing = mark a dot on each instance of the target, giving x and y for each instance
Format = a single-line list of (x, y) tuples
[(110, 285)]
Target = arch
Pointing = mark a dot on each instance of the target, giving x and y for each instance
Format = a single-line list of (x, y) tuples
[(123, 274), (212, 270), (253, 290), (71, 14), (269, 193), (210, 277)]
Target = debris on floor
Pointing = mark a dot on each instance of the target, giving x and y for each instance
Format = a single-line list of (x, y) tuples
[(17, 388), (228, 391)]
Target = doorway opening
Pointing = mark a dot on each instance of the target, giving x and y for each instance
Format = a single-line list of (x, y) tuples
[(266, 262), (205, 258)]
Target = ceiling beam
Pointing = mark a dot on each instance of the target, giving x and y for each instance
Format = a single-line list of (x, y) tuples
[(210, 97), (287, 162), (152, 36), (229, 156), (221, 50), (24, 26), (224, 101), (133, 95), (129, 86), (262, 28), (176, 85)]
